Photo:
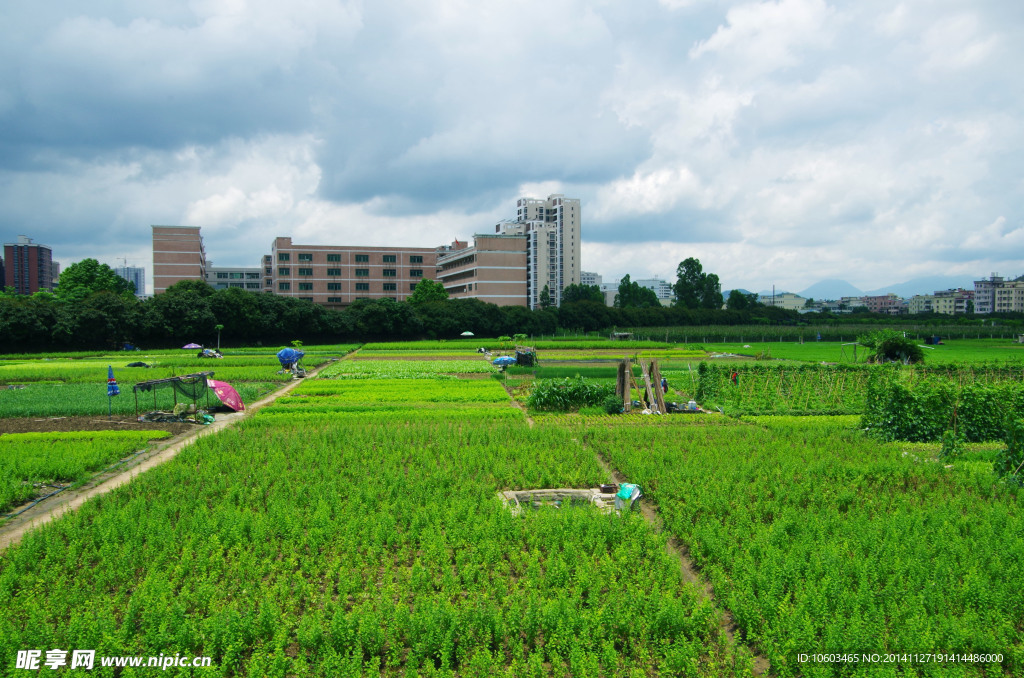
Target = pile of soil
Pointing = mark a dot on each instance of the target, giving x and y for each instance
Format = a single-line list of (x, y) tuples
[(92, 423)]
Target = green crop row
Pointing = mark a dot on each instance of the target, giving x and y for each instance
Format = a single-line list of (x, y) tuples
[(351, 548), (404, 369), (820, 539), (359, 391), (29, 460)]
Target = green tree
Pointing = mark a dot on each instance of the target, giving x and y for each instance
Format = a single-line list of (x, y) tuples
[(739, 301), (87, 277), (428, 290), (632, 295), (545, 298), (574, 293), (696, 289)]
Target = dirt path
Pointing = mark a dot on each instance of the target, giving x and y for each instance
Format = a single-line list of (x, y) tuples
[(681, 553), (50, 509)]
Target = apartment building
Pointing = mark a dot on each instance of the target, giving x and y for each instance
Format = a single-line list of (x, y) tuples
[(552, 230), (28, 266), (590, 279), (178, 255), (492, 269), (339, 275), (660, 287), (889, 304), (997, 294)]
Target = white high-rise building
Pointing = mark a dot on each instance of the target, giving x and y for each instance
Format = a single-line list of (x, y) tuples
[(552, 230)]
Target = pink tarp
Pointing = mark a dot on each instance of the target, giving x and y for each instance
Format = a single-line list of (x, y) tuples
[(227, 394)]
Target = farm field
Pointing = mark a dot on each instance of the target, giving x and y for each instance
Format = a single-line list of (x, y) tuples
[(353, 528)]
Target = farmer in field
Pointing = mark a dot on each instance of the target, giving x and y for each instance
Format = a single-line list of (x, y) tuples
[(735, 378), (664, 385)]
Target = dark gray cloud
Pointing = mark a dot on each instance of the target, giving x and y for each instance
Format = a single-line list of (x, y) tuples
[(782, 140)]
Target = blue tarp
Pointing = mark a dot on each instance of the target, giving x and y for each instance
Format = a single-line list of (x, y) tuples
[(503, 361), (289, 356)]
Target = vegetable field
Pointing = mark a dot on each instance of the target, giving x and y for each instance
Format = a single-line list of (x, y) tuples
[(353, 528)]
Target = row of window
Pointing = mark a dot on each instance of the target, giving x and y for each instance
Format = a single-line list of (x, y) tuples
[(236, 275), (360, 258), (336, 287), (360, 272)]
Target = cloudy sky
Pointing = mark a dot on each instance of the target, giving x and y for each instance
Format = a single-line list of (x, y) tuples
[(780, 142)]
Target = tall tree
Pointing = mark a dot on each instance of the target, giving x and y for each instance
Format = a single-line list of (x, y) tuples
[(632, 295), (88, 276), (696, 289), (545, 298)]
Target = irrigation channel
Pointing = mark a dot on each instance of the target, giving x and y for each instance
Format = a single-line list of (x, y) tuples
[(12, 531)]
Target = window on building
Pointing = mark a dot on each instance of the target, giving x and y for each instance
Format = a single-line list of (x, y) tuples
[(415, 259), (415, 273), (390, 287), (237, 275), (389, 272), (390, 259), (284, 256), (333, 257), (252, 276), (362, 258), (236, 284), (305, 256), (412, 287), (362, 287), (252, 286), (268, 271), (222, 275), (283, 286), (284, 271), (333, 287), (362, 273), (306, 298), (333, 300), (305, 287), (305, 271), (334, 271), (267, 282)]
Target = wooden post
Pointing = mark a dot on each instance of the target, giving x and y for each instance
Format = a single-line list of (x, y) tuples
[(651, 401), (622, 385), (659, 392)]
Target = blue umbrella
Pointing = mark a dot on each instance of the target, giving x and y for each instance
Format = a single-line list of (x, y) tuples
[(504, 361), (112, 389)]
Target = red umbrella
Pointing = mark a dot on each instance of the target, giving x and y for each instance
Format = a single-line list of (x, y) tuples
[(227, 394)]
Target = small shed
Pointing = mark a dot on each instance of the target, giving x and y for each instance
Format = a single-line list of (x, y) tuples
[(192, 387)]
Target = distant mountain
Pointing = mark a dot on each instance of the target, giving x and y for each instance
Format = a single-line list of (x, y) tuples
[(927, 285), (830, 289)]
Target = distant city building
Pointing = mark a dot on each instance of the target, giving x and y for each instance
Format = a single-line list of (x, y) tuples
[(952, 302), (338, 275), (493, 269), (786, 300), (888, 304), (552, 229), (133, 274), (921, 303), (589, 279), (998, 295), (28, 266), (178, 255), (222, 278)]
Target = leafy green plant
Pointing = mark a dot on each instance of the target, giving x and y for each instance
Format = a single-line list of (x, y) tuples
[(612, 404), (567, 394), (1009, 464)]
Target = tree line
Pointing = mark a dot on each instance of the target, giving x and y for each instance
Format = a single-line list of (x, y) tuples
[(93, 309)]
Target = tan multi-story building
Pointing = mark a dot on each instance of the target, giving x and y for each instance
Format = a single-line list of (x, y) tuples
[(178, 255), (786, 300), (552, 230), (952, 302), (493, 269), (1010, 297), (921, 303), (339, 275)]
